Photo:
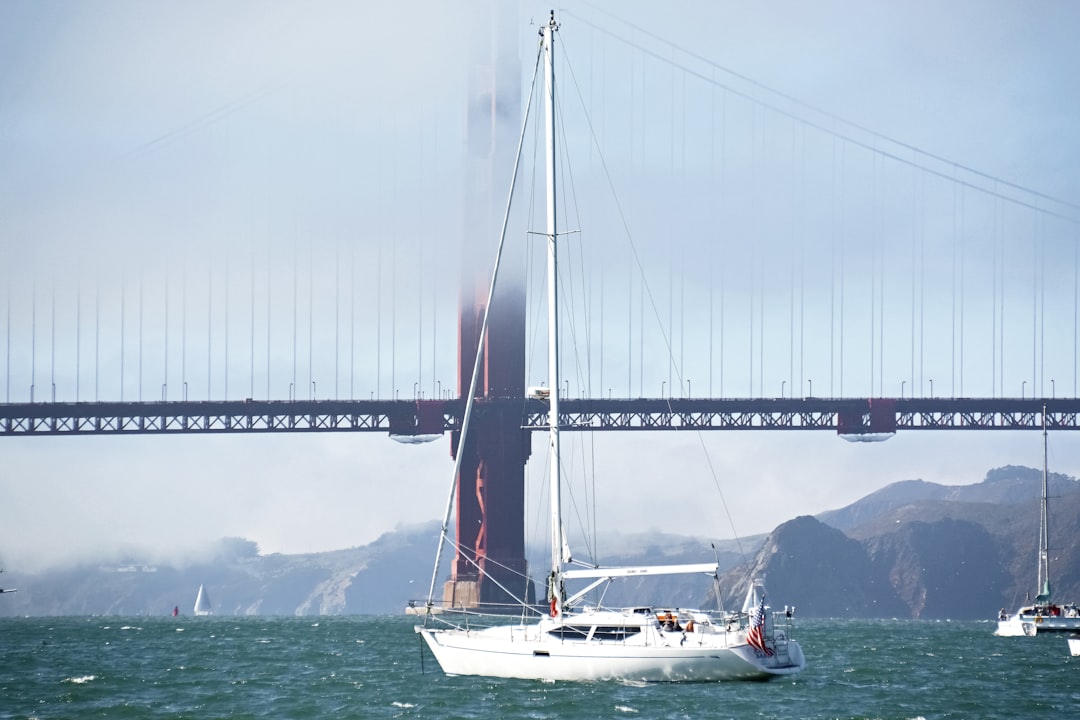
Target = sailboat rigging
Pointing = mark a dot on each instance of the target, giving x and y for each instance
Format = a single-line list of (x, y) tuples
[(1044, 615), (569, 640)]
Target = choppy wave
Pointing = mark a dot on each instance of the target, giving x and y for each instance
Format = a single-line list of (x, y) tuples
[(373, 667)]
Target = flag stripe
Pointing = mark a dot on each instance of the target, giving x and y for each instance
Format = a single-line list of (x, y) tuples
[(755, 636)]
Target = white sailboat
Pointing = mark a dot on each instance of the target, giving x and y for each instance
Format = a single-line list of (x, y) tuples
[(202, 602), (567, 640), (1043, 615)]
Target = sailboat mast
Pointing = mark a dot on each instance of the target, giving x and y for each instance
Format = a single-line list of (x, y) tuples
[(548, 35), (1044, 526)]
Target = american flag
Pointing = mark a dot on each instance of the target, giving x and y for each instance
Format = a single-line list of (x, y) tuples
[(755, 636)]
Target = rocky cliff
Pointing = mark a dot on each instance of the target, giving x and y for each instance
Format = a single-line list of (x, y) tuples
[(911, 550)]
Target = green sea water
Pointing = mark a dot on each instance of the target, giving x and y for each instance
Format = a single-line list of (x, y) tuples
[(373, 667)]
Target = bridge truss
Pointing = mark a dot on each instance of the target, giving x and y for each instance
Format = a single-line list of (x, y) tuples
[(412, 419)]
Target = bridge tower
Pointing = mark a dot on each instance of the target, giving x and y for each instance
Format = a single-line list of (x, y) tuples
[(490, 495)]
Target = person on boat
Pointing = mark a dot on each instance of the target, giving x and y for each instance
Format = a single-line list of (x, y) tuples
[(1002, 615)]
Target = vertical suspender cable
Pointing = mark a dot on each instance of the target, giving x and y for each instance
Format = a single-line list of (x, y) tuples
[(723, 189), (269, 304), (209, 327), (352, 320), (378, 320), (1001, 297), (1040, 240), (295, 304), (52, 340), (712, 245), (337, 319), (311, 320), (754, 245), (629, 265), (7, 397), (922, 279), (225, 384), (139, 394), (914, 255), (78, 330), (1034, 305), (251, 380), (802, 263), (883, 247), (875, 199), (97, 336), (843, 250), (952, 275), (832, 268), (791, 256), (122, 328), (994, 299), (963, 232)]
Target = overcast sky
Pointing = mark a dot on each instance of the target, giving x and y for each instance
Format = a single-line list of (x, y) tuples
[(265, 200)]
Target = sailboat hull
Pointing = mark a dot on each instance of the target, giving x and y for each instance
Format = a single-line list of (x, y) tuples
[(1030, 625), (526, 652)]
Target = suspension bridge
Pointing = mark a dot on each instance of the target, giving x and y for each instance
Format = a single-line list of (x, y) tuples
[(759, 263)]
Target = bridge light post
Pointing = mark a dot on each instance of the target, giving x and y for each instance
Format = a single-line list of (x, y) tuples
[(416, 391), (811, 384), (291, 385), (439, 383), (687, 387), (782, 384), (1023, 389), (663, 384), (1053, 390), (185, 391), (312, 389), (931, 387), (902, 383)]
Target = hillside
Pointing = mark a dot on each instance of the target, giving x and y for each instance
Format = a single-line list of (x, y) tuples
[(913, 549), (374, 579)]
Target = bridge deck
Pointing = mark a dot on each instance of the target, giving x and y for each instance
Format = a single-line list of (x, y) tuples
[(848, 416)]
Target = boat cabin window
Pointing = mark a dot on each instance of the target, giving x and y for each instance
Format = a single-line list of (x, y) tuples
[(571, 632), (615, 632), (600, 632)]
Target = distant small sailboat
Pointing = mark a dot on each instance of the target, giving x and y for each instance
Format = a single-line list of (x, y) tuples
[(8, 590), (202, 602)]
